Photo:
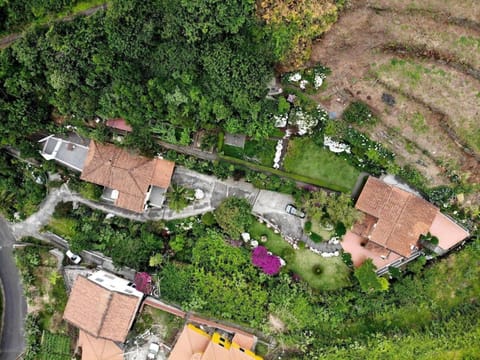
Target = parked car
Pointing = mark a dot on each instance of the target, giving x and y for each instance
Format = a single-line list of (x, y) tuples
[(153, 351), (292, 210), (76, 259)]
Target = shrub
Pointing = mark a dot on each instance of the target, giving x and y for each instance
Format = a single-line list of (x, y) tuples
[(315, 237), (340, 229), (270, 264), (308, 226), (317, 269), (208, 218), (359, 113), (63, 209), (440, 194), (347, 259), (234, 216)]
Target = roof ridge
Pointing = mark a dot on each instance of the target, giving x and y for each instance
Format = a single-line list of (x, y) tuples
[(95, 168), (110, 296)]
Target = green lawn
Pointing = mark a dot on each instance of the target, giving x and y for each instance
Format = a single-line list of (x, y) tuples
[(64, 227), (335, 274), (306, 158)]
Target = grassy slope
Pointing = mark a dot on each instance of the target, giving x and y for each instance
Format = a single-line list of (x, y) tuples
[(308, 159), (441, 88)]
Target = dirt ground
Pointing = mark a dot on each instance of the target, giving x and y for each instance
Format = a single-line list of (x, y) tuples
[(416, 130)]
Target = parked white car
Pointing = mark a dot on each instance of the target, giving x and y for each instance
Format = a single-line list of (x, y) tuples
[(76, 259), (153, 350)]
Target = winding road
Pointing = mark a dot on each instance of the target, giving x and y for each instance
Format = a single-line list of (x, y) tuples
[(12, 339)]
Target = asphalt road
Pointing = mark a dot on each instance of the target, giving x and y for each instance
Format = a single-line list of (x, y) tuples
[(12, 342)]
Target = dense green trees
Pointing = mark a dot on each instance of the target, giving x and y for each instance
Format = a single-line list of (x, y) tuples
[(14, 13), (368, 279), (160, 65), (331, 208), (234, 216), (22, 187)]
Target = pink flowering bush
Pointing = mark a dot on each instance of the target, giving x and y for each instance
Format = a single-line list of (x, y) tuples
[(270, 264), (143, 282)]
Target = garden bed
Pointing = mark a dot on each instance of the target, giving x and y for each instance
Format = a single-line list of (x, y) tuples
[(305, 158), (163, 324), (333, 273), (47, 297)]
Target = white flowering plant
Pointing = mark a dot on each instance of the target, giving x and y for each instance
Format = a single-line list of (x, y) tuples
[(308, 80)]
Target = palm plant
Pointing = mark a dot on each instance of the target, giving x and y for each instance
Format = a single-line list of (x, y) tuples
[(179, 197)]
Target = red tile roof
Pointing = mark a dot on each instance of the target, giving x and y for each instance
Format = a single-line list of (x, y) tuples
[(98, 349), (100, 312), (119, 124), (401, 216), (129, 174)]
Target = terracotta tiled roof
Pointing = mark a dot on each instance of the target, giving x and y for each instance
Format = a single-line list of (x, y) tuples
[(130, 175), (196, 344), (100, 312), (402, 216), (119, 124), (98, 349), (191, 341)]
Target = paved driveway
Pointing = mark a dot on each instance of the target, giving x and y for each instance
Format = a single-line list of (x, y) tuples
[(12, 342)]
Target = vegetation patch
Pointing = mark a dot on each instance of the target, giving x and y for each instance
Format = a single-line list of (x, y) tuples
[(22, 187), (46, 294), (259, 152), (161, 323), (335, 273), (54, 347), (64, 227), (415, 78), (306, 158)]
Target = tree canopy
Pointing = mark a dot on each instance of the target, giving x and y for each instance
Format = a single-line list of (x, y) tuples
[(234, 216), (158, 64)]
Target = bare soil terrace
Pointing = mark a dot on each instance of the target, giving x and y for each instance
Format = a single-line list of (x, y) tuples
[(427, 55)]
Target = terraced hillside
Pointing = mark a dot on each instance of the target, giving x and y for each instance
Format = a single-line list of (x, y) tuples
[(426, 54)]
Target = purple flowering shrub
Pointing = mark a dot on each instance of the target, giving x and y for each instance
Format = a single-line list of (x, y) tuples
[(270, 264), (143, 282)]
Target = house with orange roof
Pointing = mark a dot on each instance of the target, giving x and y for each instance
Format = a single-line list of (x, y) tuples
[(195, 343), (394, 221), (103, 307), (131, 181)]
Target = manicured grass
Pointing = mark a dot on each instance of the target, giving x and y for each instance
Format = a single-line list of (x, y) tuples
[(306, 158), (335, 274), (64, 227), (275, 243)]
